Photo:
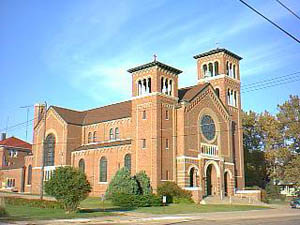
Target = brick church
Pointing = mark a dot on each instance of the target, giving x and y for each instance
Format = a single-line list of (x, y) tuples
[(191, 135)]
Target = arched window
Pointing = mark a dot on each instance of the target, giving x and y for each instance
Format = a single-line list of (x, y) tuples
[(117, 134), (111, 134), (170, 87), (81, 165), (218, 92), (103, 170), (204, 67), (210, 68), (230, 69), (90, 137), (94, 136), (149, 85), (227, 68), (234, 71), (140, 89), (49, 150), (127, 162), (29, 175), (162, 85), (166, 86), (216, 68)]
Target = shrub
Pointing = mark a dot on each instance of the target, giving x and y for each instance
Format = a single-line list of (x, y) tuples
[(122, 182), (143, 182), (69, 186), (171, 190), (125, 200), (33, 203), (273, 191), (178, 200), (3, 212)]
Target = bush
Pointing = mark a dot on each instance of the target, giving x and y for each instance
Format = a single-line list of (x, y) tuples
[(3, 212), (69, 186), (143, 182), (178, 200), (122, 182), (273, 191), (172, 190), (133, 201), (33, 203)]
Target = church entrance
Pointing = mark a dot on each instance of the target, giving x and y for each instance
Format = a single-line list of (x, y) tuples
[(226, 183), (211, 180), (208, 181)]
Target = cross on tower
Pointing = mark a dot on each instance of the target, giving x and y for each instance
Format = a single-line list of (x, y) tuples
[(154, 57)]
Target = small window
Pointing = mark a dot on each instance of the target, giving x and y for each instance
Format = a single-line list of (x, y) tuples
[(144, 115), (103, 170), (117, 134), (167, 175), (218, 92), (81, 165), (167, 114), (127, 162), (144, 144), (29, 175), (111, 134), (167, 143), (95, 136), (90, 137)]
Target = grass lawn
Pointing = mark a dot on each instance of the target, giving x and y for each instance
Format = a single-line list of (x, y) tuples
[(93, 207), (194, 208)]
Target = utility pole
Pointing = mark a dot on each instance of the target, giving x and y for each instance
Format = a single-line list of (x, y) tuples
[(26, 107), (43, 153)]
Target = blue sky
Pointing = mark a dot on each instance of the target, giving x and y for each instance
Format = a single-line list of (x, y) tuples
[(75, 53)]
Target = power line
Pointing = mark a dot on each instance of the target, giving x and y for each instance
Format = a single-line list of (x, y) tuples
[(270, 21), (291, 11), (267, 80)]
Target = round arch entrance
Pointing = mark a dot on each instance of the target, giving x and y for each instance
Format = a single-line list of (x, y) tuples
[(212, 174)]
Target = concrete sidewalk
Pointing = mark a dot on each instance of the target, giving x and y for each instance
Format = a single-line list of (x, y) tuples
[(141, 218)]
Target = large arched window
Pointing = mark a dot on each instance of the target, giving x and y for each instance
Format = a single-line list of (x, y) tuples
[(216, 68), (81, 165), (29, 175), (49, 150), (117, 133), (210, 68), (94, 136), (90, 137), (103, 170), (127, 162), (111, 134)]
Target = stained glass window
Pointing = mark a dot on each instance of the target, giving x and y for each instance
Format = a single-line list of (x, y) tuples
[(208, 127)]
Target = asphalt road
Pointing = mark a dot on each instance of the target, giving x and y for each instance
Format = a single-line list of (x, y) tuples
[(295, 220)]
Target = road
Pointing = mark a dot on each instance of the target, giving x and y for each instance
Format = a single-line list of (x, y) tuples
[(294, 220)]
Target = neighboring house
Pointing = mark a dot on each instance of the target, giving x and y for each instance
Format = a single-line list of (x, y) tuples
[(12, 161), (191, 135)]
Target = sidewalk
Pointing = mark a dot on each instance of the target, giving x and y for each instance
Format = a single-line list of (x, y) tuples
[(139, 218)]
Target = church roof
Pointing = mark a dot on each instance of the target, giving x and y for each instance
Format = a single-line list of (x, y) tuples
[(104, 145), (15, 142), (188, 93), (118, 110), (217, 50), (102, 114), (155, 63)]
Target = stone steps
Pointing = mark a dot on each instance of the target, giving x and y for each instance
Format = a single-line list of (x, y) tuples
[(230, 200)]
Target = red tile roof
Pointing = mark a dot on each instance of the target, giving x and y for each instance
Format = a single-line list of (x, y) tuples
[(15, 142)]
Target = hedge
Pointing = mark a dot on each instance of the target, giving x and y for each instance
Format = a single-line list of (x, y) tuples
[(33, 203), (133, 201)]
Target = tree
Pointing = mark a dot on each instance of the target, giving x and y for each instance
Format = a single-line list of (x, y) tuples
[(292, 171), (289, 118), (255, 166), (143, 182), (69, 186), (122, 182)]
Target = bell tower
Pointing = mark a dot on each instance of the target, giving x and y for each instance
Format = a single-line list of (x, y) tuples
[(154, 97), (220, 67)]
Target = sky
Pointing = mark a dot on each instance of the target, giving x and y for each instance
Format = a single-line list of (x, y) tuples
[(76, 53)]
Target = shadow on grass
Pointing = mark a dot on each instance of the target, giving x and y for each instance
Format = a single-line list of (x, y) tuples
[(110, 210)]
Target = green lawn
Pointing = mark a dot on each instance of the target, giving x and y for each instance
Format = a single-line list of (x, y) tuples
[(32, 213), (93, 207), (194, 208)]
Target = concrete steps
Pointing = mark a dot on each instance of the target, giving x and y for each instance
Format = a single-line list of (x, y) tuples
[(230, 200)]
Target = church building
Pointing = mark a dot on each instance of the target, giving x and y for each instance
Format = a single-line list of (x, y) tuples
[(192, 136)]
